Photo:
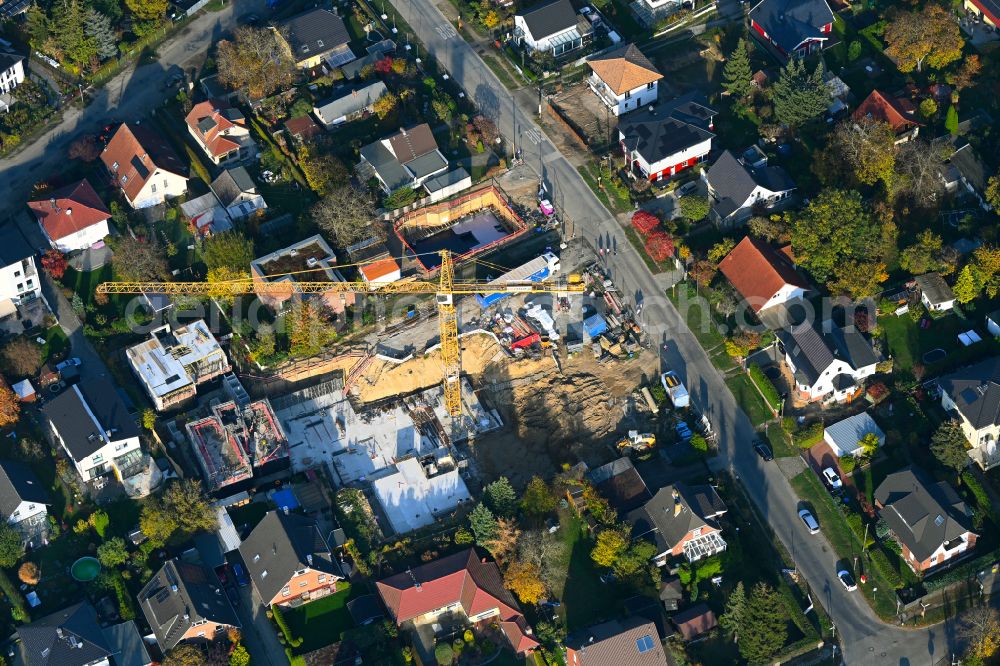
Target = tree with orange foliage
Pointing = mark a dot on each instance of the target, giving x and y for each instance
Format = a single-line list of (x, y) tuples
[(524, 580), (10, 407)]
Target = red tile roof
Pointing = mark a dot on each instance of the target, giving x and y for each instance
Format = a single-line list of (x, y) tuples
[(379, 269), (69, 210), (303, 128), (758, 271), (218, 117), (134, 154), (518, 633), (899, 113)]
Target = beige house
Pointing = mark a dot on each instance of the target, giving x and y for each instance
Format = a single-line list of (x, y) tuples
[(972, 395), (316, 37)]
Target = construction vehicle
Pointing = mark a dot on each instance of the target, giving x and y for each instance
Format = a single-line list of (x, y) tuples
[(638, 442), (444, 289), (674, 387)]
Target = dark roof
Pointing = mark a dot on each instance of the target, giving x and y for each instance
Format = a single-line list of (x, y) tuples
[(317, 30), (19, 484), (667, 128), (70, 413), (549, 18), (671, 588), (70, 637), (935, 288), (281, 544), (628, 642), (659, 520), (964, 160), (790, 22), (231, 184), (921, 513), (127, 645), (621, 484), (8, 60), (813, 351), (733, 182), (14, 246), (180, 595), (694, 621), (975, 390), (411, 152), (364, 609)]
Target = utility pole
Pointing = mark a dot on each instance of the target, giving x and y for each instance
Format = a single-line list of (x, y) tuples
[(539, 99)]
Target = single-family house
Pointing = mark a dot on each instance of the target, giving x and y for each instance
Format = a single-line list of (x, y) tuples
[(69, 637), (988, 11), (695, 621), (844, 436), (827, 361), (664, 140), (289, 560), (303, 128), (316, 37), (972, 395), (381, 271), (309, 260), (184, 602), (237, 193), (962, 172), (621, 484), (736, 188), (634, 641), (11, 72), (173, 362), (928, 519), (624, 79), (24, 502), (375, 52), (681, 520), (899, 112), (352, 104), (552, 26), (935, 293), (206, 216), (794, 28), (221, 131), (19, 281), (72, 217), (92, 425), (447, 184), (763, 276), (463, 584), (405, 159), (143, 165), (126, 645)]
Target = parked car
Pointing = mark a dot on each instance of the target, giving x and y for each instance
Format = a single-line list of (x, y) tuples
[(763, 449), (683, 431), (240, 574), (687, 188), (809, 520), (832, 479), (69, 363), (847, 580)]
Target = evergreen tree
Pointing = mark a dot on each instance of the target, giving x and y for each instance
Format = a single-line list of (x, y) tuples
[(99, 29), (500, 497), (37, 25), (969, 284), (765, 628), (70, 33), (483, 524), (736, 74), (951, 120), (736, 611), (798, 95)]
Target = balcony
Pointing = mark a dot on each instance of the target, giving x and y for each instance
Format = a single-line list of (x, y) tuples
[(601, 90)]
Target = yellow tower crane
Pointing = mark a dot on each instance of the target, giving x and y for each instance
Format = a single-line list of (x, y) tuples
[(445, 290)]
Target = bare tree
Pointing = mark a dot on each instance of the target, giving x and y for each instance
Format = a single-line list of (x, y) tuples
[(980, 627), (917, 167), (346, 213), (140, 259), (256, 58)]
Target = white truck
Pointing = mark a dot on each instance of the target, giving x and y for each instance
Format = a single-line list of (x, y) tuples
[(674, 387)]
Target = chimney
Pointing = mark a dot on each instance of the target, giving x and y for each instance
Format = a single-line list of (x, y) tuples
[(590, 640), (677, 503), (52, 201)]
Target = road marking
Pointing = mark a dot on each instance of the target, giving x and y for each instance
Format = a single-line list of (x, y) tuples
[(534, 136), (446, 31)]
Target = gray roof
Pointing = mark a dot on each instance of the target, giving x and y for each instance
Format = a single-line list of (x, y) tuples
[(975, 390), (318, 30), (813, 351), (127, 645), (935, 288), (19, 484), (617, 643), (447, 179), (426, 164), (180, 595), (962, 162), (733, 182), (69, 414), (921, 513), (847, 433), (8, 60), (408, 154), (667, 128), (621, 484), (386, 165), (354, 101), (376, 52), (549, 18), (70, 637), (791, 22), (280, 545), (656, 520), (231, 184), (14, 246)]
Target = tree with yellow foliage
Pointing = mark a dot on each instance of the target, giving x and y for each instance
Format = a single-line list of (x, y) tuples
[(524, 580)]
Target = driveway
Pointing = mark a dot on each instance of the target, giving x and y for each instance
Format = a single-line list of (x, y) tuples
[(258, 632), (865, 638)]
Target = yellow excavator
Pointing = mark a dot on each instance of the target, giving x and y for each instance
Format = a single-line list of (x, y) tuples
[(637, 441)]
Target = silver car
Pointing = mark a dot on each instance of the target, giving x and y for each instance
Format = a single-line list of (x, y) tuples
[(809, 520)]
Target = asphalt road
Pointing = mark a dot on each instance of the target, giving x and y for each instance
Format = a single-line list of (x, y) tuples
[(129, 96), (866, 640)]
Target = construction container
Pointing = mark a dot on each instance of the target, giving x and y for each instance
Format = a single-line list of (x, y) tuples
[(595, 325)]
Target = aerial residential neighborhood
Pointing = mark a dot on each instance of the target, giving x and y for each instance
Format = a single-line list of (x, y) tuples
[(521, 332)]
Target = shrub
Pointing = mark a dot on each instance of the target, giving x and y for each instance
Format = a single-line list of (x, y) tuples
[(984, 507), (443, 654), (18, 610), (766, 387), (29, 573), (877, 391), (279, 619), (644, 222), (809, 437), (847, 463), (659, 246), (788, 425), (881, 562)]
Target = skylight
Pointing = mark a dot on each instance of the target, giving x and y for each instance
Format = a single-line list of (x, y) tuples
[(644, 644)]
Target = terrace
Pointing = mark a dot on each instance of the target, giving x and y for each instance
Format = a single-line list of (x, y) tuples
[(309, 260)]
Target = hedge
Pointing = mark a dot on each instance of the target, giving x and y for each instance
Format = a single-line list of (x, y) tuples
[(881, 562), (983, 505), (809, 437), (18, 611), (962, 571), (765, 386), (279, 619)]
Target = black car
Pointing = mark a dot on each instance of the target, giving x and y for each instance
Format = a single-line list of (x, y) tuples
[(763, 449)]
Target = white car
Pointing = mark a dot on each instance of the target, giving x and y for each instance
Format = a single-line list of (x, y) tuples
[(847, 580), (809, 521), (832, 478)]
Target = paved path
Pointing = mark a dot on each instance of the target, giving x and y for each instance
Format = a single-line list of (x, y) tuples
[(865, 639)]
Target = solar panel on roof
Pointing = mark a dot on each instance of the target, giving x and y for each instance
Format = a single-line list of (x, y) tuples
[(644, 644)]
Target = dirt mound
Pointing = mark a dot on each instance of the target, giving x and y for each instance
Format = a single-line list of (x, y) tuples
[(562, 411)]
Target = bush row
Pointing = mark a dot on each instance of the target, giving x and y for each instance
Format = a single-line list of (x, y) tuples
[(766, 387)]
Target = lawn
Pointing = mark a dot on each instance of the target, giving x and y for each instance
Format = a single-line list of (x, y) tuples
[(697, 313), (501, 71), (321, 622), (84, 284), (56, 342), (908, 343), (749, 398)]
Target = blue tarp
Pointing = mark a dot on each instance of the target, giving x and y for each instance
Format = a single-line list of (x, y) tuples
[(595, 325), (285, 499)]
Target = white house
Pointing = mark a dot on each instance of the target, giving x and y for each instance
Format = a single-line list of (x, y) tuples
[(24, 502), (844, 436), (143, 165), (826, 361), (11, 71), (72, 218), (735, 188), (19, 281), (660, 142), (408, 158), (551, 26), (935, 293), (92, 425), (763, 276), (221, 131), (971, 395), (624, 79)]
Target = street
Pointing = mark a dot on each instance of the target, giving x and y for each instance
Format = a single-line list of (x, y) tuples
[(865, 638)]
